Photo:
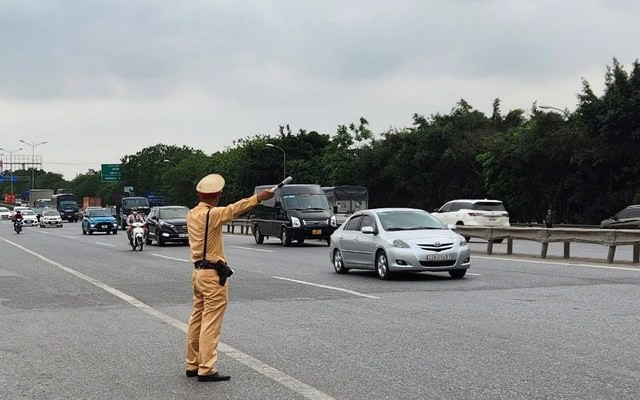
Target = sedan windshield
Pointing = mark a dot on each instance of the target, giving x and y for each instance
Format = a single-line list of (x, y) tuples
[(51, 213), (173, 213), (100, 213), (408, 220), (28, 212)]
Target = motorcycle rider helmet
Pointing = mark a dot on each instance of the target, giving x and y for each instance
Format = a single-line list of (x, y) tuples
[(134, 210)]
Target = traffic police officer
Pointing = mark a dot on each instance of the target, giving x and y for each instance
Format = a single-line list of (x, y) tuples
[(210, 292)]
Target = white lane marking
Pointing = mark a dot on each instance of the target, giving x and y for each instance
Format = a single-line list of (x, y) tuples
[(328, 287), (106, 244), (170, 258), (280, 377), (471, 273), (524, 260), (69, 237), (252, 249)]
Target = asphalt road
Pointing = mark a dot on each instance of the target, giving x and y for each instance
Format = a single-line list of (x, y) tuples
[(84, 317)]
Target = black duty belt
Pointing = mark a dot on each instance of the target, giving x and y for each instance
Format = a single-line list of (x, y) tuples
[(204, 265)]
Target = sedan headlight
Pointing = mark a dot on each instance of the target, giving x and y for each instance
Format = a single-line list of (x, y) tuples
[(399, 243), (462, 242), (295, 222), (334, 221)]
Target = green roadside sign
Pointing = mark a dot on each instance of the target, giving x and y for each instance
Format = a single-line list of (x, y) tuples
[(110, 173)]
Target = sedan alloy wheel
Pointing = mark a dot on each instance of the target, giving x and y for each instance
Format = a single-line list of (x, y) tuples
[(338, 262), (382, 266)]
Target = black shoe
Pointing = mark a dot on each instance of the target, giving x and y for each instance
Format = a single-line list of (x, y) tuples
[(217, 376), (192, 374)]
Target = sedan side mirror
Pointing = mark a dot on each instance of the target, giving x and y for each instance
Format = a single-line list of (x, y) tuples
[(368, 230)]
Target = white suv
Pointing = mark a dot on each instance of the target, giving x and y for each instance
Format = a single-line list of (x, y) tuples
[(474, 213)]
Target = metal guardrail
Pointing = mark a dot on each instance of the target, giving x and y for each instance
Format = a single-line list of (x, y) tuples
[(243, 224), (605, 237)]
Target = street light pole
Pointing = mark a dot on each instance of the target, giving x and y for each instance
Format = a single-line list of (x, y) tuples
[(33, 160), (11, 164), (566, 114), (284, 159)]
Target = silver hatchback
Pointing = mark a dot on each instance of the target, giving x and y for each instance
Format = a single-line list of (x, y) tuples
[(391, 240)]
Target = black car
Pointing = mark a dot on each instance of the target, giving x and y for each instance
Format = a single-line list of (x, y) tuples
[(167, 224), (629, 218)]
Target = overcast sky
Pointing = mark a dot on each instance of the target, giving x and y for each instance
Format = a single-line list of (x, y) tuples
[(102, 79)]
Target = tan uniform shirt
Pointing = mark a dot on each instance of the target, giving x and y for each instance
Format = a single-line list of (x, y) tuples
[(217, 217)]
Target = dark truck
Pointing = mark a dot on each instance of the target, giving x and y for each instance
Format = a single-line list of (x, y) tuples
[(347, 199), (67, 206), (127, 204)]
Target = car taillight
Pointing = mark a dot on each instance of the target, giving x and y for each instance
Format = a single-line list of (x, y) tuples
[(473, 214)]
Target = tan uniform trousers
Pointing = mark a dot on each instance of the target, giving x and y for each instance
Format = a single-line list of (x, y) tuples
[(205, 324)]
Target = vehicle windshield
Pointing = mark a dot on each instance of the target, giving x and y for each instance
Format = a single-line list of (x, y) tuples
[(100, 213), (488, 206), (306, 202), (408, 220), (27, 212), (173, 213), (51, 213), (4, 209), (43, 203), (68, 203), (130, 203)]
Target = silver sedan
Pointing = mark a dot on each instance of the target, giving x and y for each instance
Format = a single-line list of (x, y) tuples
[(397, 240)]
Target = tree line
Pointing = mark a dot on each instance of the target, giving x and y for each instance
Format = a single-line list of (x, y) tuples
[(583, 164)]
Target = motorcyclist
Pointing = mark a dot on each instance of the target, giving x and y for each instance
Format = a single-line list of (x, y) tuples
[(17, 217), (134, 217)]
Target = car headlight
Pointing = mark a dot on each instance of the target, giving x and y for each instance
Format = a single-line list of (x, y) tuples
[(399, 243), (462, 242), (295, 222), (93, 226), (334, 221)]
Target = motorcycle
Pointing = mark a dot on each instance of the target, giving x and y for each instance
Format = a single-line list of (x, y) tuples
[(17, 226), (137, 235)]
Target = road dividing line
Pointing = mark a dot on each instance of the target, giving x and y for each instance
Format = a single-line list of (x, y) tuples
[(106, 244), (252, 249), (328, 287), (268, 371), (556, 262), (471, 273), (170, 258), (68, 237)]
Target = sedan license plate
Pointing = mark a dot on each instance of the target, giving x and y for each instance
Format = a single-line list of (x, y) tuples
[(439, 257), (183, 235), (316, 232)]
